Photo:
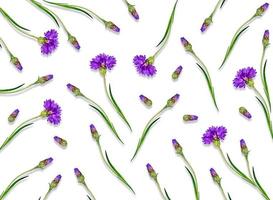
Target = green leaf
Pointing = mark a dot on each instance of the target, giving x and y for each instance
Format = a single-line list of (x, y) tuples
[(265, 85), (118, 108), (231, 46), (168, 30), (108, 122), (211, 89), (12, 21), (239, 172), (11, 89), (144, 134), (194, 182), (7, 190), (89, 197), (119, 176), (267, 115), (72, 7), (13, 134), (167, 195), (229, 197), (222, 4), (258, 184)]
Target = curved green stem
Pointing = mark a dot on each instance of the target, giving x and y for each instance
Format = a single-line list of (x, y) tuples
[(19, 90), (160, 190), (222, 191), (126, 2), (102, 156), (6, 47), (216, 7), (47, 194), (249, 168), (89, 191)]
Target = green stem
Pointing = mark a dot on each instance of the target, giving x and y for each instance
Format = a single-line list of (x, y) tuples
[(89, 191), (249, 168), (6, 47), (46, 195), (222, 191), (262, 98), (19, 90), (216, 7), (160, 190), (102, 156), (126, 2)]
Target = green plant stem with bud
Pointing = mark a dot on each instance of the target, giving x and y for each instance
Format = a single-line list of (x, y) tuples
[(6, 47), (160, 190), (222, 191)]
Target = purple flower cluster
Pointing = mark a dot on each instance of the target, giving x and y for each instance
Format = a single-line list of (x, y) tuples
[(103, 62), (244, 77), (52, 111), (214, 134), (49, 42), (144, 66)]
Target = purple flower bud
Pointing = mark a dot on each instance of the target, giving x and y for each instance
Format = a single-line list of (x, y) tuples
[(13, 115), (245, 112), (74, 42), (148, 102), (44, 79), (244, 148), (186, 44), (215, 176), (151, 171), (177, 73), (173, 100), (206, 24), (111, 26), (260, 11), (188, 118), (55, 182), (60, 141), (44, 163), (15, 61), (133, 12), (94, 132), (79, 176), (266, 38), (76, 91), (177, 146)]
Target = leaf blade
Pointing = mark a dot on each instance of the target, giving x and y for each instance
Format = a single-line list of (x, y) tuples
[(11, 89), (167, 195), (194, 182), (258, 184)]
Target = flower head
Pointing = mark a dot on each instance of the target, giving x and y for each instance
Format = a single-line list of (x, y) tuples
[(177, 73), (144, 66), (49, 42), (173, 100), (245, 112), (148, 102), (44, 163), (266, 38), (55, 182), (215, 176), (52, 112), (244, 148), (79, 176), (60, 141), (186, 44), (151, 171), (44, 79), (94, 132), (111, 26), (103, 62), (133, 11), (177, 146), (13, 115), (15, 61), (244, 77), (214, 134), (206, 24), (187, 118), (76, 91), (260, 11), (73, 40)]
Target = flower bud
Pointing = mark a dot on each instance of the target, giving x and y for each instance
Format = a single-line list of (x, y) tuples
[(177, 73), (245, 112), (55, 182), (244, 148), (110, 25), (206, 24), (177, 147), (79, 176), (13, 115), (60, 141), (260, 11), (186, 44), (188, 118), (76, 91), (44, 79), (215, 176), (15, 61), (133, 12), (173, 100), (74, 42), (151, 171), (94, 132), (148, 102), (266, 38), (45, 163)]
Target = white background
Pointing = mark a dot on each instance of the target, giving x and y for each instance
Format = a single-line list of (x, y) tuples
[(67, 65)]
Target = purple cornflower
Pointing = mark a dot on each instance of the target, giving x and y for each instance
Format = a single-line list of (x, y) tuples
[(60, 141), (215, 176), (44, 79), (148, 102), (73, 40), (187, 118), (177, 146), (111, 26), (49, 42), (79, 175), (76, 91), (144, 66), (94, 132), (245, 112), (266, 38), (177, 72), (55, 182), (173, 100), (103, 62), (13, 115), (186, 44), (206, 24), (133, 12), (151, 171), (244, 77), (214, 134), (15, 61), (260, 11), (45, 163), (244, 148), (52, 112)]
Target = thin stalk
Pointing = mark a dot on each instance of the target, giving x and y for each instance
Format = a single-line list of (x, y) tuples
[(46, 195), (249, 168), (126, 2), (216, 7), (6, 47), (160, 190), (18, 90), (89, 191), (102, 156), (222, 191)]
